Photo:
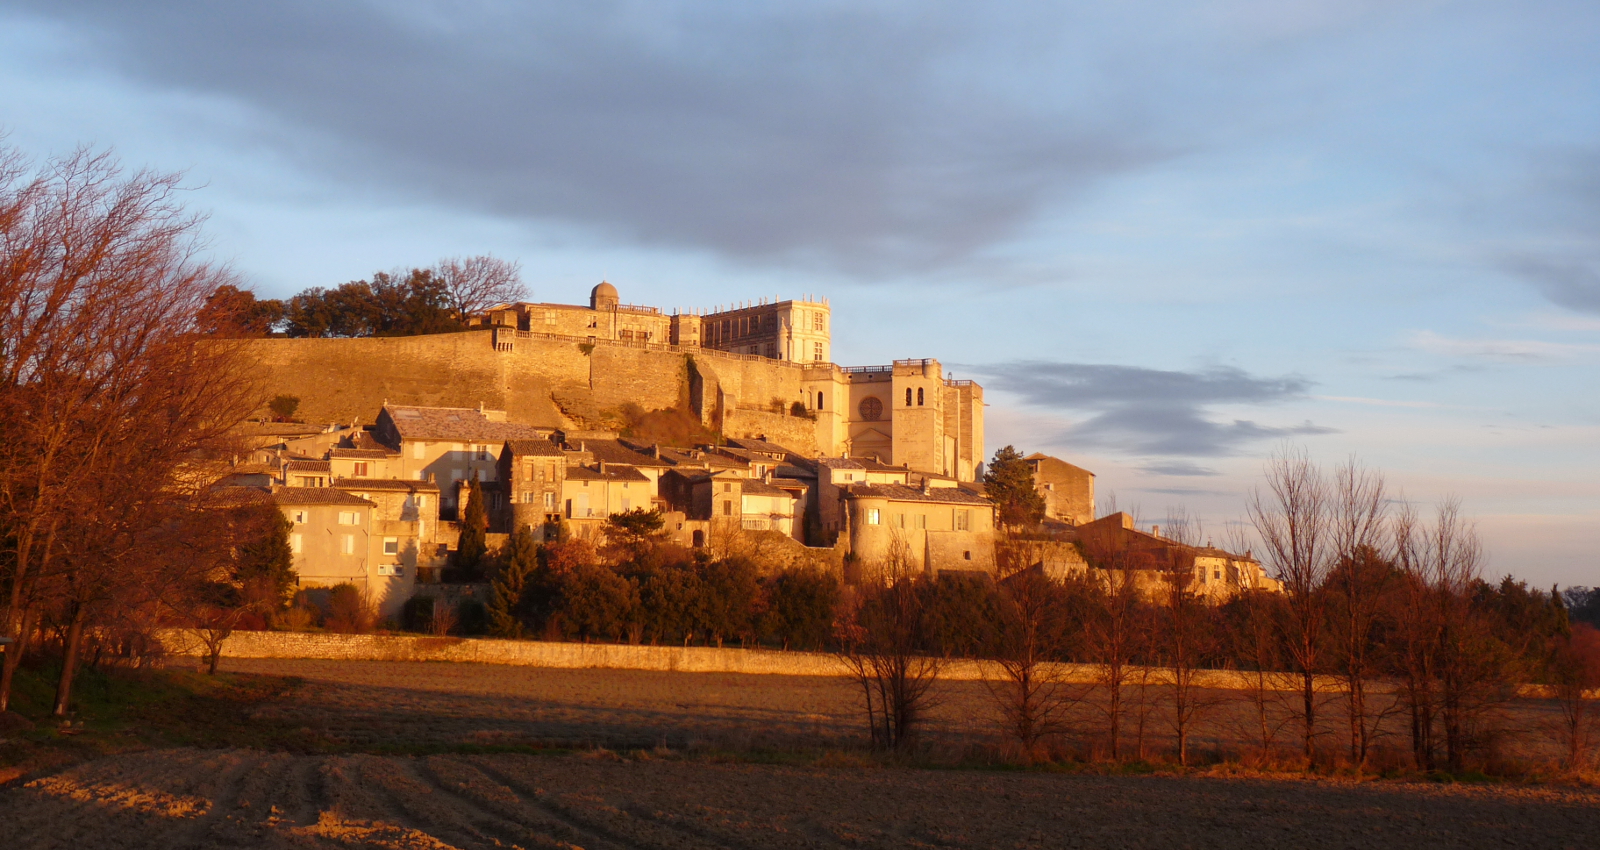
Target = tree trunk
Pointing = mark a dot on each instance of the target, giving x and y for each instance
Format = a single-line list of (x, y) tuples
[(69, 662), (13, 656)]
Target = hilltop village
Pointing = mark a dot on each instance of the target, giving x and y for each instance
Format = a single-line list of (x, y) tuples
[(810, 461)]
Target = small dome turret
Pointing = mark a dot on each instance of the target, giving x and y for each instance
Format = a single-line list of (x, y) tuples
[(603, 297)]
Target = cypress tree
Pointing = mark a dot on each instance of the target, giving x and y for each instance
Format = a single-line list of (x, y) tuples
[(506, 604), (473, 544)]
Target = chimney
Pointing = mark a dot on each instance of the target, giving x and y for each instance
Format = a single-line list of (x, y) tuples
[(1155, 531)]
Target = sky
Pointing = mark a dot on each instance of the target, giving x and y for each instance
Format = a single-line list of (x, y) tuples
[(1169, 239)]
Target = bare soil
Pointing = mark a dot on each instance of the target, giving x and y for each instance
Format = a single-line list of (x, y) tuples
[(411, 755), (235, 798)]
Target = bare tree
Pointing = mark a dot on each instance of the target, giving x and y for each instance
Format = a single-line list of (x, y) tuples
[(107, 391), (1357, 588), (1032, 637), (1574, 673), (883, 649), (1115, 633), (1186, 633), (474, 284), (1292, 519)]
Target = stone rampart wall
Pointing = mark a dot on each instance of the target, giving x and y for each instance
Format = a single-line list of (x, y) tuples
[(558, 382)]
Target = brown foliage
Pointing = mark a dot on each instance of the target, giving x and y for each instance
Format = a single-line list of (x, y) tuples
[(111, 401)]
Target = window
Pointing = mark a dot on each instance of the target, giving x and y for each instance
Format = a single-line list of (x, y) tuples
[(849, 476), (922, 520), (967, 554), (727, 488), (391, 545), (527, 498), (727, 508), (919, 396), (360, 469), (819, 401), (549, 317), (772, 349), (872, 516), (871, 408), (817, 325), (963, 520), (627, 504), (908, 396), (391, 570), (417, 476), (297, 543), (299, 517), (483, 453), (349, 518), (816, 351), (422, 501), (549, 470), (418, 450), (347, 544), (899, 520)]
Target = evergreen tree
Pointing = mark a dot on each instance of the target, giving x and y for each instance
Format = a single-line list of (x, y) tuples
[(264, 560), (506, 604), (1009, 484), (473, 543)]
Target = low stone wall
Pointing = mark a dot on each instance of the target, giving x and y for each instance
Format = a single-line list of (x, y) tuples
[(680, 659)]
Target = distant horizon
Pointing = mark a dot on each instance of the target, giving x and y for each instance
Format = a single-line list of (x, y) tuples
[(1166, 239)]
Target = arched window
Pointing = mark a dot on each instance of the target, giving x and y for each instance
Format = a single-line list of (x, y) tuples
[(908, 396), (919, 396), (819, 401)]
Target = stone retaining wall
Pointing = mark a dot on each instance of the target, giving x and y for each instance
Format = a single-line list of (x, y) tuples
[(681, 659)]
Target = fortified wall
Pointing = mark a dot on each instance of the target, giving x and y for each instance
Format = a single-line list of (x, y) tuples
[(902, 414)]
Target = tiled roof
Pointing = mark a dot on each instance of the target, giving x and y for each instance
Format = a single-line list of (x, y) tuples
[(899, 493), (790, 483), (613, 473), (762, 488), (786, 470), (361, 454), (363, 439), (315, 496), (840, 463), (308, 466), (759, 446), (399, 484), (228, 496), (613, 451), (534, 448), (457, 424)]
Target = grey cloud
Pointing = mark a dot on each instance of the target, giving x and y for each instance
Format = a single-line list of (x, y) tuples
[(858, 138), (1151, 411), (1178, 468), (1571, 284)]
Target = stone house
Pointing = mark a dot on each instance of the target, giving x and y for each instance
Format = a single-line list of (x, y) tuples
[(449, 446), (336, 539), (1067, 490), (1113, 542), (932, 529)]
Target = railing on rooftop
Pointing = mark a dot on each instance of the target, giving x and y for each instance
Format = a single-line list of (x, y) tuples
[(914, 362), (861, 370), (954, 383), (639, 308)]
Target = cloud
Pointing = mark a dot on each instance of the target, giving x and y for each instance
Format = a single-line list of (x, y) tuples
[(1151, 411), (1571, 284), (1512, 350), (1178, 468), (857, 137)]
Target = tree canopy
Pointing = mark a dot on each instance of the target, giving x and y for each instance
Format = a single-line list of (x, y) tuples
[(1009, 484)]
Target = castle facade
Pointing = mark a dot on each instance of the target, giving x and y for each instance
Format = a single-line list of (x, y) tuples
[(904, 414)]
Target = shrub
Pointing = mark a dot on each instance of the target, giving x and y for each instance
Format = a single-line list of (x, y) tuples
[(349, 611), (801, 606)]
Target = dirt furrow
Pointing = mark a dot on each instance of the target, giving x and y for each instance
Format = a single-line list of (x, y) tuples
[(473, 788)]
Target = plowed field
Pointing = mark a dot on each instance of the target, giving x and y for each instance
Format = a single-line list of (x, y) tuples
[(191, 798)]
